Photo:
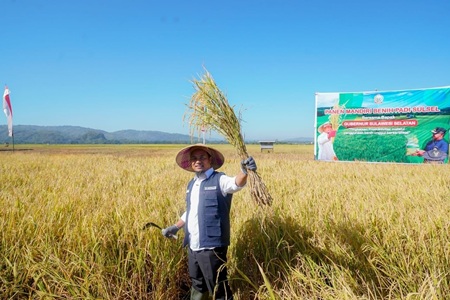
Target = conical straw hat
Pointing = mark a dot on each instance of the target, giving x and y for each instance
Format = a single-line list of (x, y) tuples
[(183, 157)]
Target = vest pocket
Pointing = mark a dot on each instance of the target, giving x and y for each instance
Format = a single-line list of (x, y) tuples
[(213, 225), (212, 213), (211, 206)]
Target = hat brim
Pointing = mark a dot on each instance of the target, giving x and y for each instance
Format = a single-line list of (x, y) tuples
[(439, 130), (320, 129), (183, 157)]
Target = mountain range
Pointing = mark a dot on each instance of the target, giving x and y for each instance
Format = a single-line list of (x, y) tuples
[(32, 134)]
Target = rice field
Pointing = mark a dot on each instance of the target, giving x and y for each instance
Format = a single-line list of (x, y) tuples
[(72, 222)]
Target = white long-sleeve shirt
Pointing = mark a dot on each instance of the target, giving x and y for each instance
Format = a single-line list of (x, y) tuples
[(326, 151), (227, 186)]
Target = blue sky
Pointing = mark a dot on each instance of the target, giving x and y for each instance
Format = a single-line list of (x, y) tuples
[(114, 65)]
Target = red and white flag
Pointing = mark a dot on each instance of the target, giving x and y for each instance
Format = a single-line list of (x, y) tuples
[(7, 108)]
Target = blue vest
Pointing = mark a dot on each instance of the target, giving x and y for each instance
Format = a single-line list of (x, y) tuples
[(213, 213)]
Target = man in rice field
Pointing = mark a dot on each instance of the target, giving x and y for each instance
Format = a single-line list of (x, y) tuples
[(207, 218), (436, 150), (325, 142)]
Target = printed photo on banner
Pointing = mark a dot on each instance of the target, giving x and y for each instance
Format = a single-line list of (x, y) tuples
[(404, 126)]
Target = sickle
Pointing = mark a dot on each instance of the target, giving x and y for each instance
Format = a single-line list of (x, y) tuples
[(151, 224)]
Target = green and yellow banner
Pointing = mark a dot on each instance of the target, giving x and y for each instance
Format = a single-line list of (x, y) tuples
[(405, 126)]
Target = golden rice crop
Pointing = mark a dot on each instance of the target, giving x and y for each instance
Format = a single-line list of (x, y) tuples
[(72, 220)]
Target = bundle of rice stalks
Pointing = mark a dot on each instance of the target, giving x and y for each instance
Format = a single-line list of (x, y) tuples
[(209, 108)]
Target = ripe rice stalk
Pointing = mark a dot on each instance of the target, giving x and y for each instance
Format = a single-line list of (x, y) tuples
[(209, 107), (336, 119)]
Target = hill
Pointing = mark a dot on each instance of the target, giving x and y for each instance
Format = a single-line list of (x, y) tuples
[(32, 134)]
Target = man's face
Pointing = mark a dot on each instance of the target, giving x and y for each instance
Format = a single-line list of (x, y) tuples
[(200, 160), (438, 136)]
